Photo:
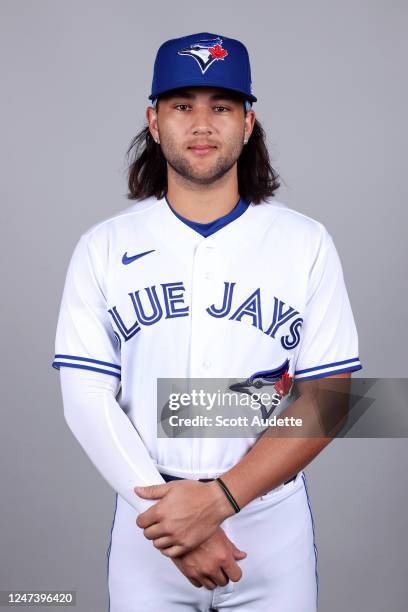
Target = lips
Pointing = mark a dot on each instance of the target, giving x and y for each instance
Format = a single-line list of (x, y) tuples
[(202, 149)]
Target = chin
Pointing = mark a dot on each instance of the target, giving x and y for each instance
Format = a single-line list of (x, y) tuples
[(205, 179)]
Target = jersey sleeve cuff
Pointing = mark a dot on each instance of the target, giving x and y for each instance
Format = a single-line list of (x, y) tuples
[(85, 363), (329, 369)]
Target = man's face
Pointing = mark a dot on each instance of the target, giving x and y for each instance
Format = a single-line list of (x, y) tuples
[(201, 131)]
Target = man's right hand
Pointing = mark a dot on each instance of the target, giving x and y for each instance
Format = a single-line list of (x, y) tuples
[(213, 563)]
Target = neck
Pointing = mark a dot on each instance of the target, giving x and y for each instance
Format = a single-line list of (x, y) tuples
[(203, 203)]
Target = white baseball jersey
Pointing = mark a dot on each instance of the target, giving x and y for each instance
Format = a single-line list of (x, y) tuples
[(147, 297)]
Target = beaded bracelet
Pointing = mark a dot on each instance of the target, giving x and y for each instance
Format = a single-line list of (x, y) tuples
[(228, 494)]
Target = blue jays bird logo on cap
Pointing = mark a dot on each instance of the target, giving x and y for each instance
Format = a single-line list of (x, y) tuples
[(205, 52)]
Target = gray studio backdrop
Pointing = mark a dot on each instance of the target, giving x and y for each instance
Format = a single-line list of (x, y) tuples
[(331, 83)]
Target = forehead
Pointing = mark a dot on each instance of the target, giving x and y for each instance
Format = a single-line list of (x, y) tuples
[(202, 93)]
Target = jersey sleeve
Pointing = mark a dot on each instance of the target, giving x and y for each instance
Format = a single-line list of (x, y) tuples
[(329, 343), (84, 337)]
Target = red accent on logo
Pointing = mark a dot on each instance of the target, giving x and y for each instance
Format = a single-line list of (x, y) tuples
[(284, 384), (218, 52)]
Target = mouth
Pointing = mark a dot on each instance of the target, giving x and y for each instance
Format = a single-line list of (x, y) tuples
[(202, 149)]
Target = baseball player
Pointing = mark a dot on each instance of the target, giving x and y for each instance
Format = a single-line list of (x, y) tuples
[(206, 276)]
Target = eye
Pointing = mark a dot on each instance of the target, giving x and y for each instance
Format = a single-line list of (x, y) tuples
[(223, 107), (184, 105)]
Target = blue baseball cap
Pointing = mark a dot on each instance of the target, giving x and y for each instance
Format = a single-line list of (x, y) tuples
[(202, 59)]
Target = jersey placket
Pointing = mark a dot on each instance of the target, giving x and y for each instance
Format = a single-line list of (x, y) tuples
[(203, 270), (200, 364)]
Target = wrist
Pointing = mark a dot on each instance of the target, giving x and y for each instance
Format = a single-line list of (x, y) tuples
[(222, 507)]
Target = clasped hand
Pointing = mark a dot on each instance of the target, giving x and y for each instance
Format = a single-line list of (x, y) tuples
[(188, 513)]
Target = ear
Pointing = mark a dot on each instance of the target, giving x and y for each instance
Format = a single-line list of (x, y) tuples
[(249, 122), (151, 117)]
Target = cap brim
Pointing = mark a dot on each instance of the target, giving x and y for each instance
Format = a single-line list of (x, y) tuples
[(245, 95)]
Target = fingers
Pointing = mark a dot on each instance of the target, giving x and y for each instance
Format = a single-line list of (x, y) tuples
[(210, 580), (232, 570), (198, 577), (147, 518), (239, 554), (210, 565), (154, 532), (208, 583), (173, 551), (163, 542), (219, 578)]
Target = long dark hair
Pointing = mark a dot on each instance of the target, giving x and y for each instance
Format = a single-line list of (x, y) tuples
[(147, 171)]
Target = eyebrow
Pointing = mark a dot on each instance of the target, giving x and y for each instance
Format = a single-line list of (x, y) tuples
[(182, 93)]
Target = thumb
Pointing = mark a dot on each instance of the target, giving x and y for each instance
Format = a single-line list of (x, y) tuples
[(152, 491), (239, 554)]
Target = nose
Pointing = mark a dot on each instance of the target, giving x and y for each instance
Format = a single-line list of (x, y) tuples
[(201, 123)]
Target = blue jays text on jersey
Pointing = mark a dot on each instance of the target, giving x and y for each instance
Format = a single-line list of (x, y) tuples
[(168, 301)]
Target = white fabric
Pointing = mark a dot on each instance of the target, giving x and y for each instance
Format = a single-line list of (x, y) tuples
[(265, 289), (329, 332), (106, 434)]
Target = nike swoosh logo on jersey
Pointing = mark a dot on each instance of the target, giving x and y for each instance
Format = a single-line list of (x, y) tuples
[(127, 260)]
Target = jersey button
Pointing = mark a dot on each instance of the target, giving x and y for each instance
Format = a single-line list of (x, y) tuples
[(208, 275), (206, 365)]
